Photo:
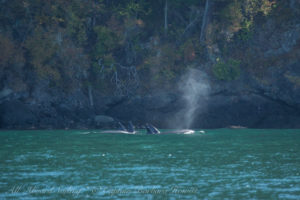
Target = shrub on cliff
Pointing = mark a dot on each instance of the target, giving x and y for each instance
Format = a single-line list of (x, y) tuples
[(227, 71)]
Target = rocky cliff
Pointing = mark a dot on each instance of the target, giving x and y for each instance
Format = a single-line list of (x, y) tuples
[(245, 54)]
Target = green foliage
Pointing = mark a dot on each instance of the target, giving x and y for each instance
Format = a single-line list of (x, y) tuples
[(76, 28), (134, 9), (167, 74), (246, 31), (66, 39), (183, 3), (108, 60), (174, 32), (191, 49), (163, 63), (106, 42), (6, 50), (11, 63), (227, 71), (232, 15), (237, 16), (293, 79), (42, 48)]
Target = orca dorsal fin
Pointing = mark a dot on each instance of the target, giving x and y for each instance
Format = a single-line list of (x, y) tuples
[(122, 127), (154, 129), (148, 129), (130, 127)]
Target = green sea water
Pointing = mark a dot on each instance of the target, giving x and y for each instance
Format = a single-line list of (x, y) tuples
[(217, 164)]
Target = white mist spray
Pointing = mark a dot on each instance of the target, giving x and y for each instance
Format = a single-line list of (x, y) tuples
[(194, 87)]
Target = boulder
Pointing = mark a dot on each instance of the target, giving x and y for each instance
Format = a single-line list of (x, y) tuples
[(103, 119), (5, 92)]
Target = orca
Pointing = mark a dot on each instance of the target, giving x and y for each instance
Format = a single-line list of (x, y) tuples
[(130, 127), (117, 131), (180, 131), (122, 130), (153, 130), (122, 127), (148, 130)]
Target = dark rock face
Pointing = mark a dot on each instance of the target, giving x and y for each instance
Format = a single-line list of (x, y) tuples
[(253, 110), (249, 110), (248, 102), (156, 109), (45, 108), (16, 114)]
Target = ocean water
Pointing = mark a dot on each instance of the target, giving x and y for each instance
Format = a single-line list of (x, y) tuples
[(83, 164)]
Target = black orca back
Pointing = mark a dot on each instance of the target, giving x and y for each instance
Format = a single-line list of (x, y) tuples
[(130, 127), (154, 129), (122, 127), (148, 129), (151, 129)]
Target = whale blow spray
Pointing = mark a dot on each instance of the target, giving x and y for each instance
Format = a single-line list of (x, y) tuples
[(194, 88)]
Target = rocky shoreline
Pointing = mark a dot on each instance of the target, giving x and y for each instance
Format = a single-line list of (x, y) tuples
[(243, 102), (222, 109)]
